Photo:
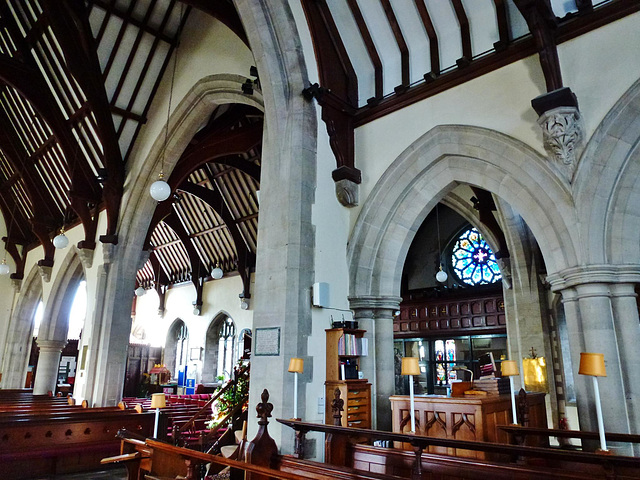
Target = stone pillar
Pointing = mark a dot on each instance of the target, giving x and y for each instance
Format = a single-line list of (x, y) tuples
[(48, 363), (627, 329), (375, 315), (591, 328)]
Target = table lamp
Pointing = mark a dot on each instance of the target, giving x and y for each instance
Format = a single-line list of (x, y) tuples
[(509, 369), (296, 366), (411, 367), (158, 401), (592, 364)]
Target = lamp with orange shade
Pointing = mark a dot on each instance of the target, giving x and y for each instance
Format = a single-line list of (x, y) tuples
[(296, 366), (411, 367), (158, 401), (509, 368), (592, 364)]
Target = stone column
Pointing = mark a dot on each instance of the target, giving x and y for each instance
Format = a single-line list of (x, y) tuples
[(627, 329), (48, 363), (597, 330), (375, 315)]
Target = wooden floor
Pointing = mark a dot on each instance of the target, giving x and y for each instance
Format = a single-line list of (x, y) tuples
[(111, 474)]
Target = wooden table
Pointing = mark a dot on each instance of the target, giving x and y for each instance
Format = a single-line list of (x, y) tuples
[(463, 418)]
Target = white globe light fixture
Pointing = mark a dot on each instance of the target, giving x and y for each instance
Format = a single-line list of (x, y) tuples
[(140, 291), (60, 241), (4, 268), (441, 276), (217, 272), (160, 189)]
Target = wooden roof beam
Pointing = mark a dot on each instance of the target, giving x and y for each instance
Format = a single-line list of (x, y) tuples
[(70, 23), (465, 33), (434, 52), (402, 46), (214, 199)]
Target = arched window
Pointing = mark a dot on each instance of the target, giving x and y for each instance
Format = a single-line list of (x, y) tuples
[(226, 337), (473, 261)]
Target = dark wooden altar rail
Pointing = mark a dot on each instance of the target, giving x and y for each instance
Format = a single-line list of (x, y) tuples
[(39, 445), (518, 431), (339, 446)]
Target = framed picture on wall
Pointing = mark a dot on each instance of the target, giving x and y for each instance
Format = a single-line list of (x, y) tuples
[(195, 354)]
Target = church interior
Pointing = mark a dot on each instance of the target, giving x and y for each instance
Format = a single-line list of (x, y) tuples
[(413, 217)]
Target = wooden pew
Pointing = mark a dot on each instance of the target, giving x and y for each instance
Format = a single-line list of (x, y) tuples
[(33, 444)]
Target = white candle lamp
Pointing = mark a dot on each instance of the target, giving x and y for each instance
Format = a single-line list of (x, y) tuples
[(509, 368), (158, 401), (296, 366), (411, 367), (592, 364)]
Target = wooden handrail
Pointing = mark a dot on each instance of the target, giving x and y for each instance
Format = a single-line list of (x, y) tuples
[(548, 432), (422, 442), (229, 415), (227, 386)]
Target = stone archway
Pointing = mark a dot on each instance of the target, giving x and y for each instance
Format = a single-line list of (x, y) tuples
[(423, 175), (210, 369), (52, 336), (18, 348), (176, 347)]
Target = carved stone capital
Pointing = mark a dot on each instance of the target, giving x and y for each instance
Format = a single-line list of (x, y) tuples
[(347, 192), (563, 138), (45, 272), (16, 283), (86, 256)]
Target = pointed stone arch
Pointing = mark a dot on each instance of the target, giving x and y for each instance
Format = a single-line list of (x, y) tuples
[(20, 333), (608, 184), (429, 169), (176, 343), (210, 363)]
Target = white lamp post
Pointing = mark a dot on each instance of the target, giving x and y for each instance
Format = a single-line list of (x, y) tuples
[(296, 366), (158, 401), (509, 369), (411, 367), (592, 364)]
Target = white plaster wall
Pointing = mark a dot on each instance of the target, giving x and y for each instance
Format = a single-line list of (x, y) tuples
[(598, 67), (218, 296)]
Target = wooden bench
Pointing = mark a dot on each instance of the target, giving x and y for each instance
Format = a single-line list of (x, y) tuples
[(45, 444)]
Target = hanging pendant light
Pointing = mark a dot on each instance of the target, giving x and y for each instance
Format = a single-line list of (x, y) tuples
[(61, 241), (4, 268), (217, 272), (140, 291), (441, 276), (160, 189)]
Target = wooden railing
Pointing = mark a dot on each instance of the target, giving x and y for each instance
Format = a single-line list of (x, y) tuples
[(243, 372)]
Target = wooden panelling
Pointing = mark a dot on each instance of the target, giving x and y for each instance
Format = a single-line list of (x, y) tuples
[(461, 316)]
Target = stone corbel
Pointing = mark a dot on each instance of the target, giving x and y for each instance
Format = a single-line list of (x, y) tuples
[(562, 129), (16, 283), (563, 138), (45, 268), (86, 256), (108, 253)]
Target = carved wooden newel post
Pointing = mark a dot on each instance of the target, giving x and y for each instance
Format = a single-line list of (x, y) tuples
[(262, 448), (335, 445)]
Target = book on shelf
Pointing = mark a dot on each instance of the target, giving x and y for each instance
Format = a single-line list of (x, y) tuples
[(349, 344)]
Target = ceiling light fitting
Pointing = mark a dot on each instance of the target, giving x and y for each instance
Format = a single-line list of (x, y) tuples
[(4, 268), (61, 241), (160, 189), (217, 272), (441, 276)]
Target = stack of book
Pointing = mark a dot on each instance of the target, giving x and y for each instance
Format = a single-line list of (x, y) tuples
[(492, 385)]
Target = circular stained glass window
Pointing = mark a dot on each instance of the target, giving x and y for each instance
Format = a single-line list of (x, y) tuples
[(473, 261)]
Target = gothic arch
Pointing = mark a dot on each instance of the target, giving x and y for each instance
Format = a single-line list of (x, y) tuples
[(20, 333), (429, 169), (188, 117), (608, 184), (176, 344), (55, 321), (211, 348)]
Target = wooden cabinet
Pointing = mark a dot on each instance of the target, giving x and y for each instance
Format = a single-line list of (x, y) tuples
[(344, 348)]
